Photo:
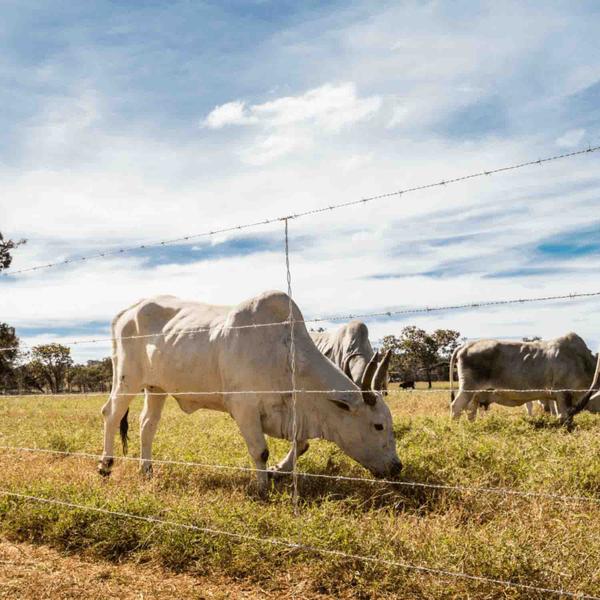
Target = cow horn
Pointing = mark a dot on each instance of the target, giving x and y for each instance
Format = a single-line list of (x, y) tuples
[(365, 385), (347, 370), (381, 373)]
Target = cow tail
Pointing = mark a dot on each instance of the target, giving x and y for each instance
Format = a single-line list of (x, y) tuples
[(583, 402), (451, 374), (123, 429)]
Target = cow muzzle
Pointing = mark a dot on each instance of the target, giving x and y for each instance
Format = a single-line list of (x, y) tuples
[(392, 472), (395, 469)]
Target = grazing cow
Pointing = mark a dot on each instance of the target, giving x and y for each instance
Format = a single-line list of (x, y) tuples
[(405, 385), (208, 356), (349, 348), (486, 367)]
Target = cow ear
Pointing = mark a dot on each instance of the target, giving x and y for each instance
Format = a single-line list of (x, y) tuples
[(349, 405)]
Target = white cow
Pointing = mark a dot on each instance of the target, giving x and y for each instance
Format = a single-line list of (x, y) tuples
[(486, 367), (349, 348), (227, 356)]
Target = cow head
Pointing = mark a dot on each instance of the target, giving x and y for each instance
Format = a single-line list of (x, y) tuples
[(358, 420), (328, 403)]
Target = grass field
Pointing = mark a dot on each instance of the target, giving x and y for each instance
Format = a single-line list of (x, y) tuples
[(538, 541)]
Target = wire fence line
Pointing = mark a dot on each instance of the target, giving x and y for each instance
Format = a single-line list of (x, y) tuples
[(500, 491), (297, 215), (423, 569), (350, 316), (300, 391)]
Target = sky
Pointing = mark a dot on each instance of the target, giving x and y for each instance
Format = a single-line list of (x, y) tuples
[(123, 123)]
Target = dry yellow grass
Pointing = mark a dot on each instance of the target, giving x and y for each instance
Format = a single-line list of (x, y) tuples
[(30, 572), (530, 540)]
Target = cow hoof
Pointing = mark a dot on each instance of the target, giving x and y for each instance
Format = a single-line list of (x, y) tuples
[(147, 472), (105, 467), (263, 494)]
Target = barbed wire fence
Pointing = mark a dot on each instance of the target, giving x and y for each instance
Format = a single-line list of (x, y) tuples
[(296, 392), (427, 570)]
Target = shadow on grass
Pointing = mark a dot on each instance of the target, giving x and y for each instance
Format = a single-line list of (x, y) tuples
[(545, 422)]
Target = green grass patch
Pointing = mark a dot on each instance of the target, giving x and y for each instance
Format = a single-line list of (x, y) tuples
[(529, 540)]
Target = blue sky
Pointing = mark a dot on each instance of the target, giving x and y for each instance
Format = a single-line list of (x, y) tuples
[(125, 122)]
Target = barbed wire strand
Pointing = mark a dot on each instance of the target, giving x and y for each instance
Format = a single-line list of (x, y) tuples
[(350, 316), (433, 571), (301, 391), (307, 474), (314, 211)]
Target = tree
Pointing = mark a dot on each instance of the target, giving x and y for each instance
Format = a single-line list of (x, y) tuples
[(48, 367), (391, 342), (448, 340), (8, 357), (422, 347), (5, 251), (95, 376), (416, 350)]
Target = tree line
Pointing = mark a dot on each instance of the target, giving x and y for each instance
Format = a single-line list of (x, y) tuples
[(48, 369)]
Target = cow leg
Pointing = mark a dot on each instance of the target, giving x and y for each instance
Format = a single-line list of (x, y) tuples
[(113, 412), (563, 403), (149, 418), (460, 403), (248, 421), (472, 408), (289, 462), (529, 408)]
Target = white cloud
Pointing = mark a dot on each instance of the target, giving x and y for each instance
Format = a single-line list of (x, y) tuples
[(571, 138), (330, 107), (273, 146), (231, 113), (292, 123)]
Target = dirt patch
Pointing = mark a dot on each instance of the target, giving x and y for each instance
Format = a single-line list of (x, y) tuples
[(30, 572)]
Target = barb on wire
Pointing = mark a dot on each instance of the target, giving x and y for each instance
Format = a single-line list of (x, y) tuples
[(314, 211), (391, 482), (433, 571), (387, 313)]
